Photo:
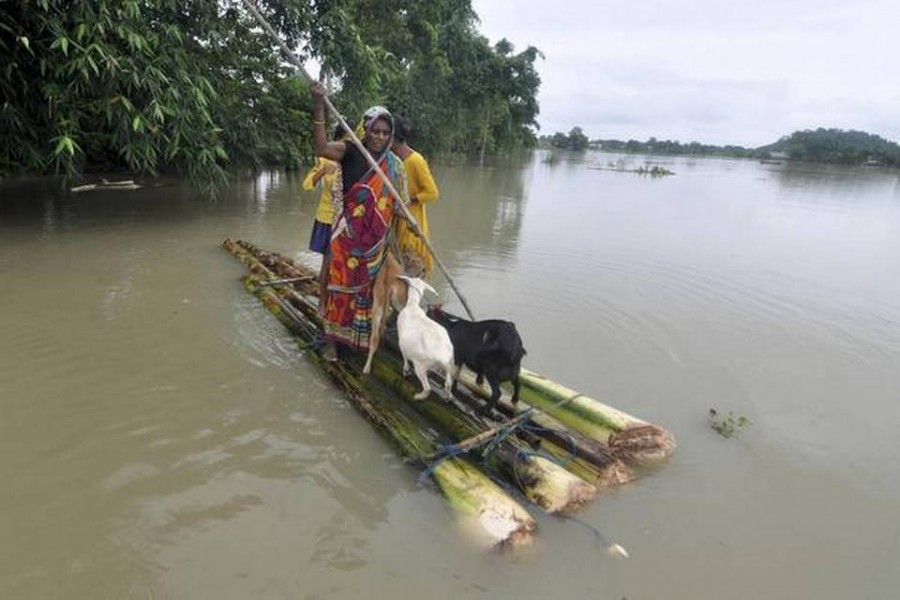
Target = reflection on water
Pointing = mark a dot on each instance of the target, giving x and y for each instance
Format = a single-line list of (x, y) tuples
[(161, 435), (482, 209), (835, 179)]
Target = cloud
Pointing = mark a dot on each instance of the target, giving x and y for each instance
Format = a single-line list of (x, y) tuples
[(708, 70)]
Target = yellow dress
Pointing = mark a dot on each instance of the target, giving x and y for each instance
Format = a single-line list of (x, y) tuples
[(325, 211), (422, 190)]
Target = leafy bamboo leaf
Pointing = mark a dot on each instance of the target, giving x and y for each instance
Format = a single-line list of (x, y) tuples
[(65, 145), (62, 43)]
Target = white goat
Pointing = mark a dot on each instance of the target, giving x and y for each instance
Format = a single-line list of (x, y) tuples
[(422, 340)]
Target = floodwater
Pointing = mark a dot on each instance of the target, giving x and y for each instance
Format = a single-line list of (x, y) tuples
[(161, 436)]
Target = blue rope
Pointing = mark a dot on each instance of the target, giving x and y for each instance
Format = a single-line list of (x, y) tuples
[(453, 450), (499, 438)]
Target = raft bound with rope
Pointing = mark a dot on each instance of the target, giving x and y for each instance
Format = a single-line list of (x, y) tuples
[(554, 452)]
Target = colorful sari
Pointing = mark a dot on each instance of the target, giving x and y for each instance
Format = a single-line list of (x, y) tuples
[(358, 249)]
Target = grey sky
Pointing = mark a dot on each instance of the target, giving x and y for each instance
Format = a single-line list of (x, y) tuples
[(712, 71)]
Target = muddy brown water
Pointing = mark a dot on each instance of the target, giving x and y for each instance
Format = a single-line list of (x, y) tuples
[(162, 437)]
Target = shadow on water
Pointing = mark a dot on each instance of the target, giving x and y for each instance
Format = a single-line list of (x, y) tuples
[(45, 204), (836, 179)]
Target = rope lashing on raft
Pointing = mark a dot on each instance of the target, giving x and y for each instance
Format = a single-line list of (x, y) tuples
[(452, 450), (504, 432), (493, 441)]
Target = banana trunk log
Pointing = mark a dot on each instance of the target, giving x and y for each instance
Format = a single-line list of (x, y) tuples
[(632, 439)]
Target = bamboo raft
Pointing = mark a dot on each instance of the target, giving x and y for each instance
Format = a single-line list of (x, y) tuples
[(555, 451)]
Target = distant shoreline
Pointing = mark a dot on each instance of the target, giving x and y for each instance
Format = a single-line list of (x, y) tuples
[(828, 146)]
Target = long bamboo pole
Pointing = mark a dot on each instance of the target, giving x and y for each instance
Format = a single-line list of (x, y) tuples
[(414, 225)]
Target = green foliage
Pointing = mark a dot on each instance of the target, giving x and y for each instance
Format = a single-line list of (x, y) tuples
[(196, 87), (461, 93), (141, 85), (837, 146), (727, 425)]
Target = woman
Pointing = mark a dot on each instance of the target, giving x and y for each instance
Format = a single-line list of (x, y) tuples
[(359, 234), (422, 190)]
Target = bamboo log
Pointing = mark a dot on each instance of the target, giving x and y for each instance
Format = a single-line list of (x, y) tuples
[(500, 520)]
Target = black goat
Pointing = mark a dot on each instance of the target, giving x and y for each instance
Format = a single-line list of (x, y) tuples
[(491, 348)]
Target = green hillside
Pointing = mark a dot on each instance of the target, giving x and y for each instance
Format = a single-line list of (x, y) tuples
[(836, 146)]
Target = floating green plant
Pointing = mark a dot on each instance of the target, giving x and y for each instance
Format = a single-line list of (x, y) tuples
[(727, 425)]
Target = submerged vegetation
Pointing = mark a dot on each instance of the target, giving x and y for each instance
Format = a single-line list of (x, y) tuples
[(654, 171), (196, 87)]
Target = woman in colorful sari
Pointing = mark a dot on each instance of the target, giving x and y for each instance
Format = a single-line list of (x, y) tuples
[(364, 218)]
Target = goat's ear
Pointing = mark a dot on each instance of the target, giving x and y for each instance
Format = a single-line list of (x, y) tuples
[(429, 288), (404, 278)]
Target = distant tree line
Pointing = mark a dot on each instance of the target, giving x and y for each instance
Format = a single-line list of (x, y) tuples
[(196, 87), (839, 147), (655, 146), (834, 146)]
